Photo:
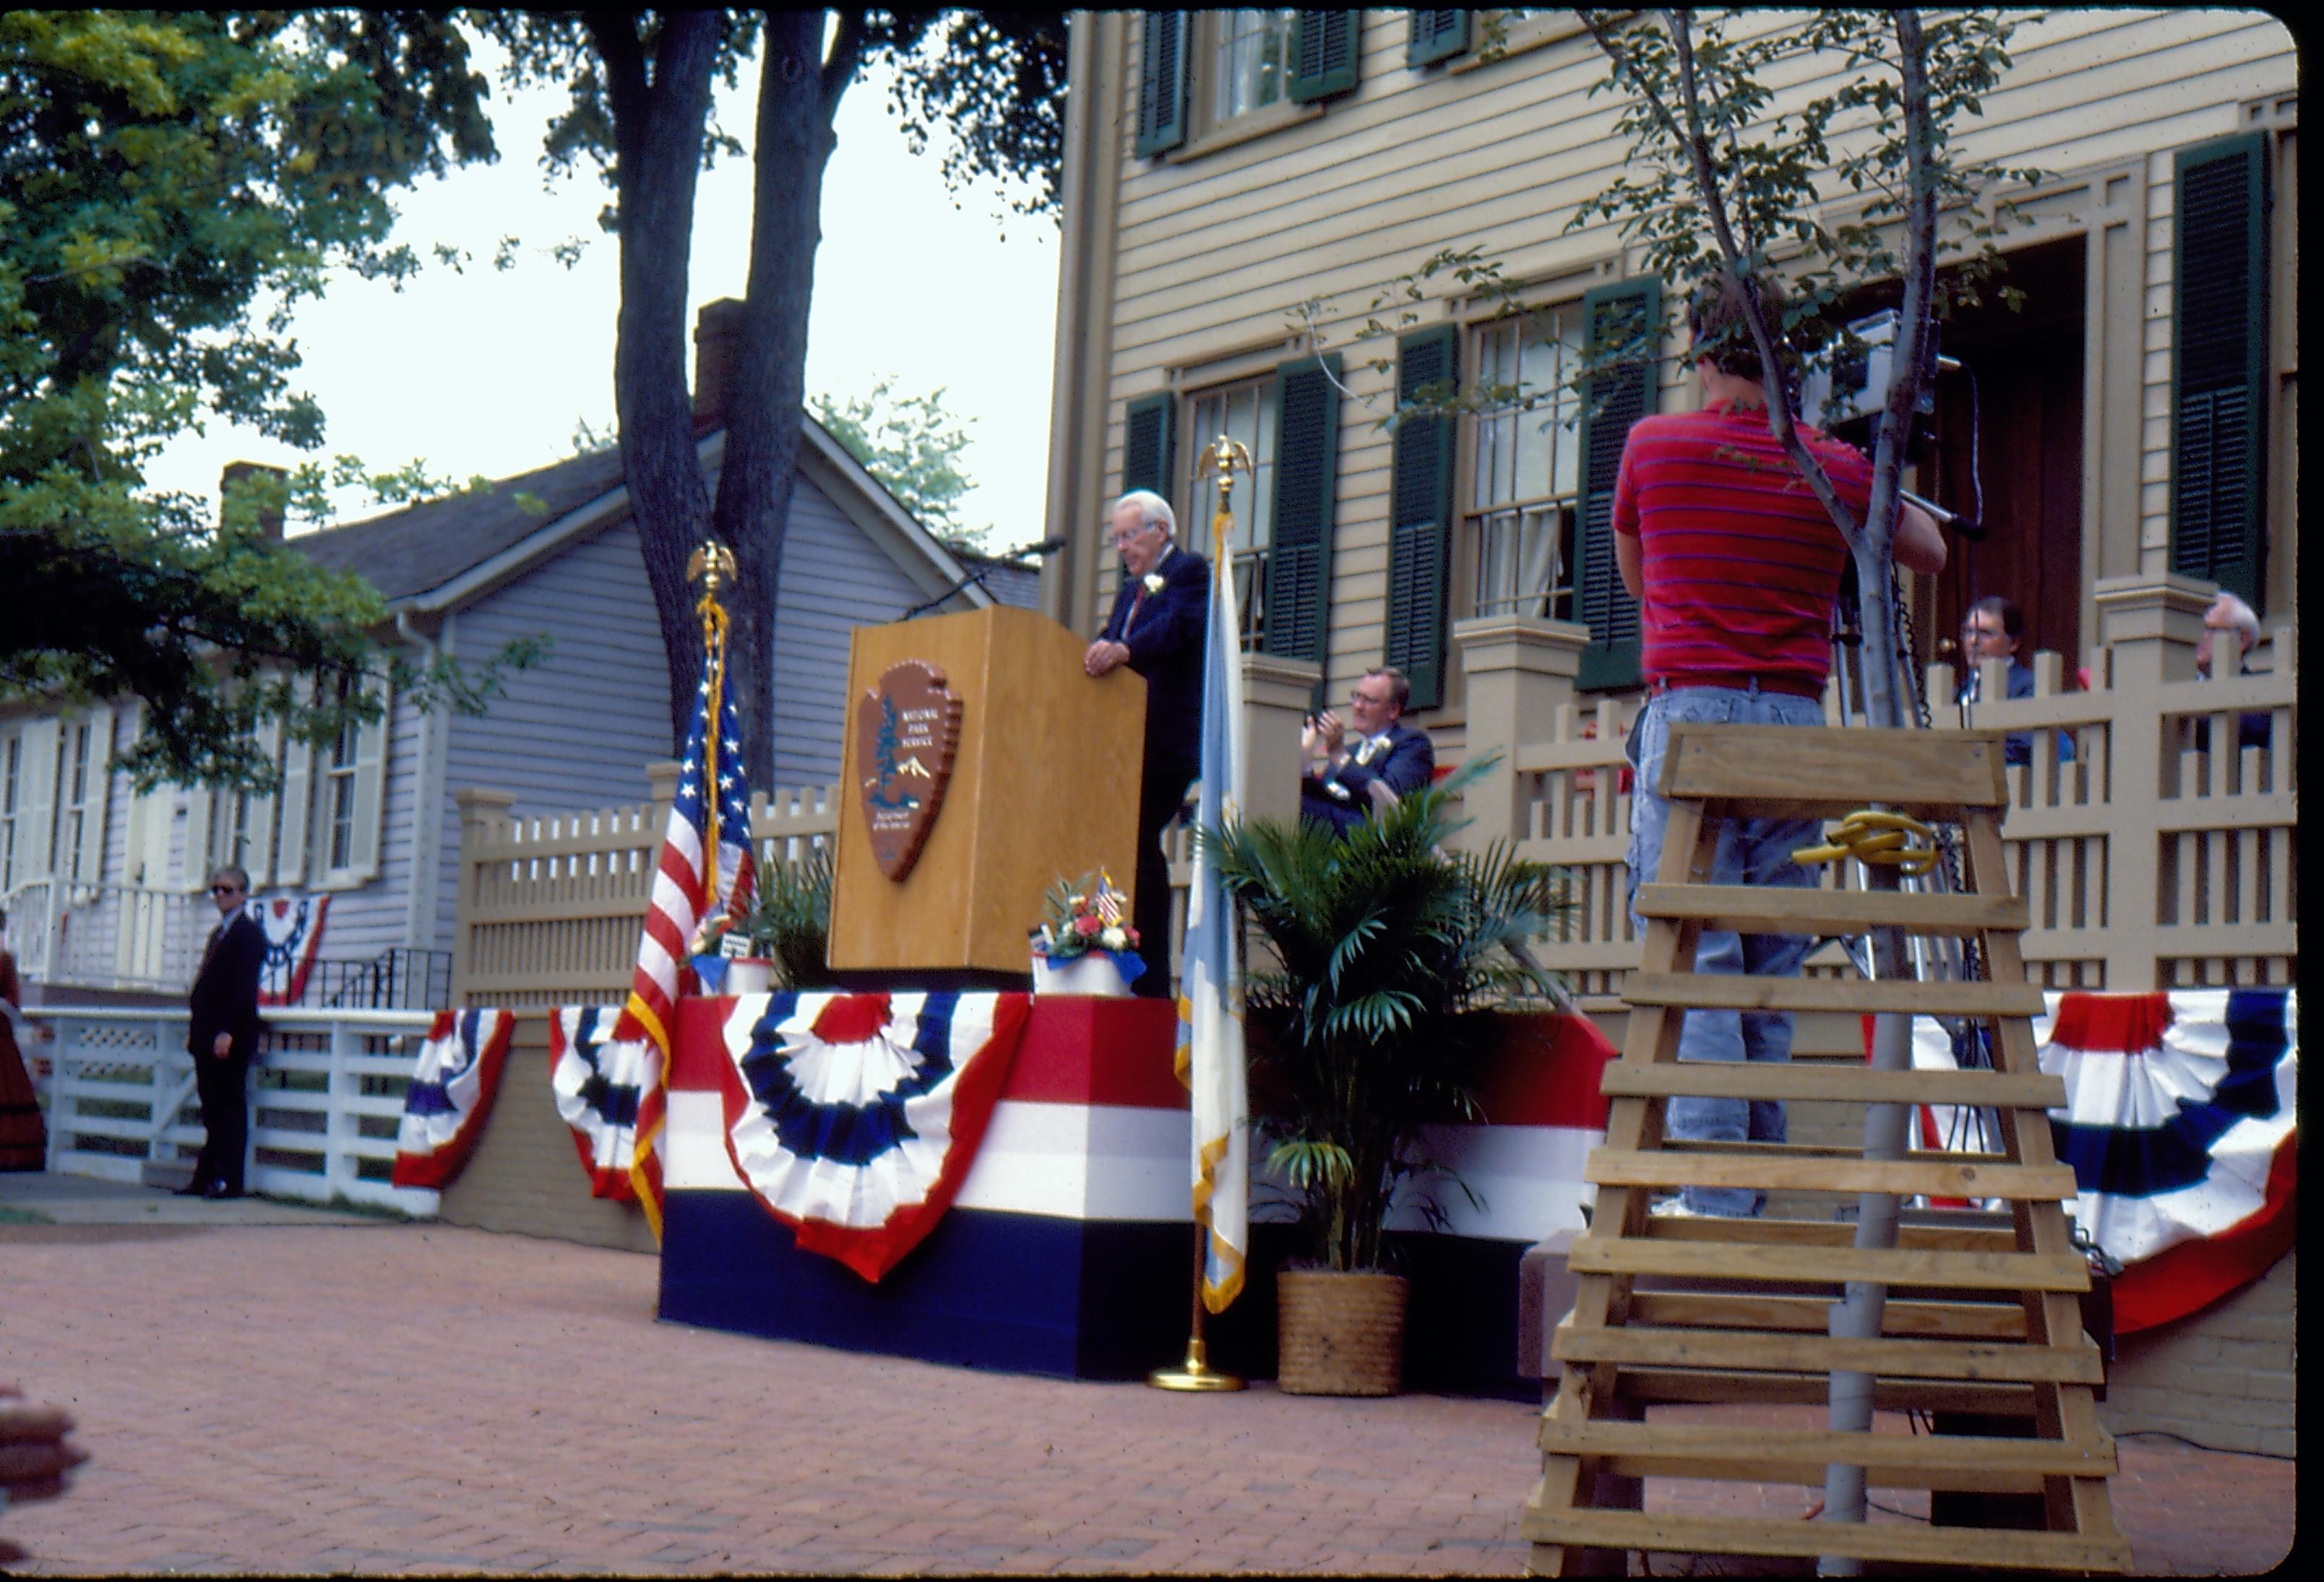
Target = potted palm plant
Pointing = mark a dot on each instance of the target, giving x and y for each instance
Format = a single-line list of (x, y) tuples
[(1391, 956), (790, 928)]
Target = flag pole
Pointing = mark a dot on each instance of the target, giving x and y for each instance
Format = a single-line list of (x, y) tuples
[(1195, 1372), (1225, 459)]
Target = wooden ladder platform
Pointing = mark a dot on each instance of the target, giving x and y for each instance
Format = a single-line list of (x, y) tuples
[(1984, 1314)]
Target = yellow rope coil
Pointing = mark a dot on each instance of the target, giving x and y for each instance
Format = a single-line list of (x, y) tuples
[(1873, 837)]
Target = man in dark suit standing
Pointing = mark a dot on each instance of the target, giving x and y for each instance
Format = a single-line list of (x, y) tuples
[(1159, 620), (222, 1033), (1351, 773)]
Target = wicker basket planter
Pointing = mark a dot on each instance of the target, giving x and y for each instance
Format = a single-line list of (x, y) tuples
[(1340, 1333)]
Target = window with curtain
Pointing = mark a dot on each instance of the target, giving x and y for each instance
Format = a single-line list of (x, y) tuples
[(1244, 413), (1524, 475), (1251, 61)]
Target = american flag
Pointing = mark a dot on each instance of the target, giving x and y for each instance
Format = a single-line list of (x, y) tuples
[(711, 776), (1108, 900)]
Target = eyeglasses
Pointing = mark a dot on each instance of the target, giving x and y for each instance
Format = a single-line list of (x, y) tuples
[(1379, 702), (226, 889)]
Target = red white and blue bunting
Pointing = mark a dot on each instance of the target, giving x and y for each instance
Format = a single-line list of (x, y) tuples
[(294, 926), (453, 1085), (597, 1080), (2180, 1125), (853, 1119)]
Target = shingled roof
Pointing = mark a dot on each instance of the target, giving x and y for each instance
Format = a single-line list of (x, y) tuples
[(421, 547)]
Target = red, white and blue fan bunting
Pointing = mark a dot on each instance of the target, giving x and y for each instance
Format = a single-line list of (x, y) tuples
[(2180, 1126), (294, 926), (854, 1118), (597, 1080), (453, 1085)]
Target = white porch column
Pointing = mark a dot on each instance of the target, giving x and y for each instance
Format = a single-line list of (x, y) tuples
[(1276, 694), (1520, 668)]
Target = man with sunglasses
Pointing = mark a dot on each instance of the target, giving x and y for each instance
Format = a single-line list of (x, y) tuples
[(222, 1033)]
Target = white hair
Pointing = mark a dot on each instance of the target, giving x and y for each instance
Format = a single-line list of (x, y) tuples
[(2240, 617), (1151, 508)]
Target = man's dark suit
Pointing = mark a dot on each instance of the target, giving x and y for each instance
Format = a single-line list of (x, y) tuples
[(224, 999), (1164, 633), (1404, 763)]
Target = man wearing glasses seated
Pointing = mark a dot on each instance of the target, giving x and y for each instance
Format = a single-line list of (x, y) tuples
[(1349, 774), (222, 1033)]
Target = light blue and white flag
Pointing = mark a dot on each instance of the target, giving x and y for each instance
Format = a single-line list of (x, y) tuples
[(1210, 1058)]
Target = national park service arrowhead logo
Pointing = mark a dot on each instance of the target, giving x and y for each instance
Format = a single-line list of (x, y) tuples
[(907, 733)]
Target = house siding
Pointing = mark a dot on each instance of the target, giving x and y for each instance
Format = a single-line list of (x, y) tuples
[(577, 730), (833, 580), (1212, 255)]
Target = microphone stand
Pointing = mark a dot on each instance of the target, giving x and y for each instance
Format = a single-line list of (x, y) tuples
[(975, 578)]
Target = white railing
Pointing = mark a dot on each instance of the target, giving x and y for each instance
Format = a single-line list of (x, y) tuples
[(326, 1099), (106, 936)]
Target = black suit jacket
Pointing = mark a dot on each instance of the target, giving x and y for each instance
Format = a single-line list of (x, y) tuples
[(1407, 766), (1166, 647), (225, 997)]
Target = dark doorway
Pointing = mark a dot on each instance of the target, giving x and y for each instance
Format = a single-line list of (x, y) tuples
[(2018, 464)]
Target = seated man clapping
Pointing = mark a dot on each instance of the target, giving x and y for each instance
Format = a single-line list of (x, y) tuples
[(1369, 760)]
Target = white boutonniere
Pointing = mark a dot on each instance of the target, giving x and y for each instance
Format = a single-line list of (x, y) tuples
[(1154, 582)]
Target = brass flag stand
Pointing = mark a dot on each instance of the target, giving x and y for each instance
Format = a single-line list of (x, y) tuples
[(1225, 459)]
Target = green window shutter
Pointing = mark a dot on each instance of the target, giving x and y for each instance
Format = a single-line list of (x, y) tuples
[(1436, 35), (1616, 316), (1306, 473), (1326, 54), (2219, 403), (1150, 433), (1162, 82), (1420, 515)]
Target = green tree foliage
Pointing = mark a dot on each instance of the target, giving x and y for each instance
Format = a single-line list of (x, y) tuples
[(912, 445), (172, 185), (641, 111)]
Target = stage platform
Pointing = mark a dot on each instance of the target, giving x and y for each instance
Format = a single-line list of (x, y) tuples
[(1068, 1251)]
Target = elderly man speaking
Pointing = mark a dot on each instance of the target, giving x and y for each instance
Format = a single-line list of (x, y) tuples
[(1160, 618)]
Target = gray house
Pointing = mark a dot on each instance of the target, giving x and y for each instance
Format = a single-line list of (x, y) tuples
[(102, 887)]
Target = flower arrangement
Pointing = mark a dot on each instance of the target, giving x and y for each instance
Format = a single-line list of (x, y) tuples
[(1083, 916)]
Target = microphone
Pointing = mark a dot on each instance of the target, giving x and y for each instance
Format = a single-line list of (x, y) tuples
[(1034, 552)]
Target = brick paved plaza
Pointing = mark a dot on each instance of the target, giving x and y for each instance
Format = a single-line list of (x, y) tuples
[(264, 1389)]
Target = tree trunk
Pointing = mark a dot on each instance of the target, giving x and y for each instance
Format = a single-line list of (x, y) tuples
[(797, 95), (657, 128)]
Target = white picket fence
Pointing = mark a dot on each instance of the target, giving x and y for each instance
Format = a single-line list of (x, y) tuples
[(326, 1099)]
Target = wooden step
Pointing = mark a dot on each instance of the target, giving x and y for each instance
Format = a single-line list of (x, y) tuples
[(1712, 1386), (1591, 1253), (1909, 1542), (1810, 1314), (1832, 771), (1914, 1460), (1713, 991), (1998, 1237), (1757, 909), (2077, 1363), (1935, 1176), (1852, 1084)]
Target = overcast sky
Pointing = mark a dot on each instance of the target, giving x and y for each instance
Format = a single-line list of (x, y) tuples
[(483, 372)]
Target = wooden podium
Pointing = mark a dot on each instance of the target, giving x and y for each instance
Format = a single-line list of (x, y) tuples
[(1043, 786)]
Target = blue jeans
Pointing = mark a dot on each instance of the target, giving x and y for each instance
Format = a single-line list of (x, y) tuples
[(1750, 851)]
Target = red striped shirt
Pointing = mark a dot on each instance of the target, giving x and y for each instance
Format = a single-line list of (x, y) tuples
[(1741, 563)]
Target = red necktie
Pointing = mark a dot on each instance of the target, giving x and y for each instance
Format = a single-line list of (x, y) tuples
[(1136, 599)]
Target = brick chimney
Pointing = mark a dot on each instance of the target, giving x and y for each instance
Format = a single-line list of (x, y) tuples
[(717, 334), (231, 479)]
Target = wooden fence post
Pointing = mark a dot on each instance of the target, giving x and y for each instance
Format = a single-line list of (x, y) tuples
[(483, 817), (2148, 626), (1519, 669), (1276, 693)]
